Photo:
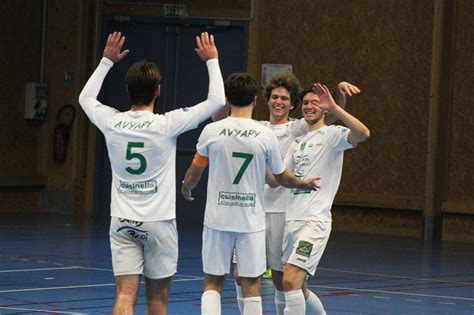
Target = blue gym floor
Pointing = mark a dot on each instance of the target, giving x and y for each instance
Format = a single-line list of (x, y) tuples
[(61, 266)]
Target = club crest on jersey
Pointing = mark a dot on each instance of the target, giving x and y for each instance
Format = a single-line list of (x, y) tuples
[(304, 248), (302, 146)]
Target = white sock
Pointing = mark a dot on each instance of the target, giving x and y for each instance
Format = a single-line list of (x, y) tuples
[(279, 301), (253, 305), (240, 297), (314, 305), (211, 303), (295, 303)]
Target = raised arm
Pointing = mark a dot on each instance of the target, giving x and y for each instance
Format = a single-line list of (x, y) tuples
[(112, 53), (344, 89), (207, 51), (359, 132)]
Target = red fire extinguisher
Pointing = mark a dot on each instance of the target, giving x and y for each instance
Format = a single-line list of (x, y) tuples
[(61, 133)]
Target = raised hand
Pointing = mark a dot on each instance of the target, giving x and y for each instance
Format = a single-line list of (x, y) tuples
[(113, 46), (205, 47), (327, 102), (347, 89)]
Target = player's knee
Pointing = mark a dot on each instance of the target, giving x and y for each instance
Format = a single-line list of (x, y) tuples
[(289, 283), (126, 299)]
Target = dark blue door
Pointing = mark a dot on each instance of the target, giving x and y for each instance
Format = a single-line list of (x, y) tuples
[(169, 44)]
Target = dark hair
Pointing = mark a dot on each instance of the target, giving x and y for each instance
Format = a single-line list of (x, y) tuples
[(286, 80), (142, 79), (307, 90), (240, 89)]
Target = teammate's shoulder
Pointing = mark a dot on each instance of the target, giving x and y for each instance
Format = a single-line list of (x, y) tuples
[(263, 122)]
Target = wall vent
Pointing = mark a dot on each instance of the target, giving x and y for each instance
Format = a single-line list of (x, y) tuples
[(175, 10)]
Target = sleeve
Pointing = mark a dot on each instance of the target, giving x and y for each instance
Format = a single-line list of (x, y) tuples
[(298, 127), (288, 161), (338, 138), (184, 119), (201, 146), (201, 161), (97, 112), (274, 155)]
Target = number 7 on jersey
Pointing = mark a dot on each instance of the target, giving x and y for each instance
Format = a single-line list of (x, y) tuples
[(247, 159)]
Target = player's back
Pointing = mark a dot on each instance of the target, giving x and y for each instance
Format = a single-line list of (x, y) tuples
[(239, 151), (142, 152)]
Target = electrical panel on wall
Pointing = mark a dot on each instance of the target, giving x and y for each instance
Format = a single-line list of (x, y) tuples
[(36, 104)]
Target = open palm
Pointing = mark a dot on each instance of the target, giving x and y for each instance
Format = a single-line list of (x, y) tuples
[(113, 46)]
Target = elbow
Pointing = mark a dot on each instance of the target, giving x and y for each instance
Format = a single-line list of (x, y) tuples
[(363, 135), (273, 184), (216, 100), (220, 100), (281, 182), (366, 134), (83, 99)]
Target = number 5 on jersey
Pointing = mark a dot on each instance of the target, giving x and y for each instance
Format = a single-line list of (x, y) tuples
[(140, 157), (247, 159)]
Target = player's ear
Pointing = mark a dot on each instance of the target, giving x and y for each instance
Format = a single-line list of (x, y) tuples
[(158, 90)]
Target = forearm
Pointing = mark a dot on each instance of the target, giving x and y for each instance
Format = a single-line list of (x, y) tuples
[(288, 180), (216, 95), (192, 177), (340, 99), (92, 88), (359, 130), (270, 179)]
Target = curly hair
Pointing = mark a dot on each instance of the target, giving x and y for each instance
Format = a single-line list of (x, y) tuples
[(286, 80)]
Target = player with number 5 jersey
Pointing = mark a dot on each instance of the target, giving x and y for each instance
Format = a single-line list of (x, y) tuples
[(142, 151)]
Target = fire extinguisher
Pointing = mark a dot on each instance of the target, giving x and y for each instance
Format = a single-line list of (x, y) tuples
[(61, 133)]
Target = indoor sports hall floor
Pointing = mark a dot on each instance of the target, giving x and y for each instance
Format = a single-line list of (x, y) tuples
[(52, 265)]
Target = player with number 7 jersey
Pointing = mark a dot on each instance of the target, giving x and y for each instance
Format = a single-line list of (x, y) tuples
[(239, 151)]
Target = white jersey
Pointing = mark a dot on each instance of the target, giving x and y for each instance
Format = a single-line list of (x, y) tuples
[(276, 199), (142, 147), (239, 151), (319, 152)]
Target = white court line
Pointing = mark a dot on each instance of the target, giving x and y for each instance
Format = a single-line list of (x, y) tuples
[(39, 269), (93, 268), (36, 310), (85, 286), (396, 277), (392, 292)]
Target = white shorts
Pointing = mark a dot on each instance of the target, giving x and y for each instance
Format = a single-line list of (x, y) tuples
[(275, 222), (218, 248), (148, 248), (304, 243)]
